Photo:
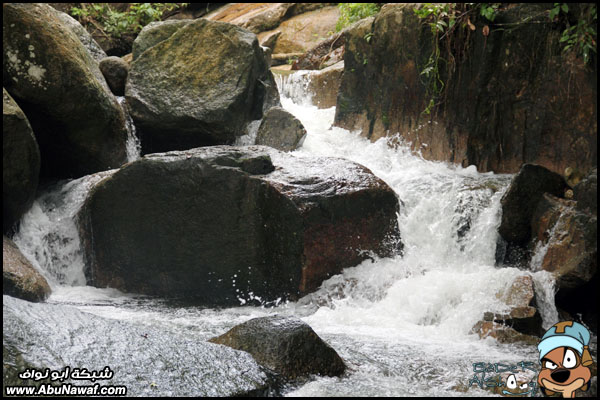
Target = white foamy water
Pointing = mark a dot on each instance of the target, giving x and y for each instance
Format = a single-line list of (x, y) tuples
[(48, 234), (402, 324), (133, 144)]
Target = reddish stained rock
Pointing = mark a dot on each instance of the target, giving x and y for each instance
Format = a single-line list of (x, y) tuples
[(219, 224), (498, 110), (521, 321), (570, 235)]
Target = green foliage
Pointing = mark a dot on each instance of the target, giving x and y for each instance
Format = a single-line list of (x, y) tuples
[(116, 23), (581, 37), (488, 10), (442, 19), (352, 12), (557, 8)]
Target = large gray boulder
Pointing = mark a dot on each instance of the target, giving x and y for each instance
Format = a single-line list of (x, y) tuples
[(285, 345), (225, 225), (78, 123), (20, 162), (19, 278), (83, 35), (154, 33), (280, 130), (147, 360), (199, 87)]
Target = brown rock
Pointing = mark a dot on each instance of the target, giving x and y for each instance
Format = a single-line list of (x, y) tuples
[(256, 17), (331, 50), (570, 238), (523, 317), (19, 278), (325, 84), (303, 31), (502, 333), (270, 40)]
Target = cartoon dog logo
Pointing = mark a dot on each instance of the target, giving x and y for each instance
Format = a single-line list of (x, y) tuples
[(514, 387), (565, 359)]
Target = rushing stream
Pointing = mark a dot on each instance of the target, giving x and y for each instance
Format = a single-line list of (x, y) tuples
[(402, 324)]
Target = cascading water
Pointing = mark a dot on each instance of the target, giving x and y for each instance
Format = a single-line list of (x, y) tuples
[(133, 145), (391, 319)]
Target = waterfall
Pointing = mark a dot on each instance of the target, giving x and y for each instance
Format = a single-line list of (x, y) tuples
[(391, 319), (48, 234), (133, 145)]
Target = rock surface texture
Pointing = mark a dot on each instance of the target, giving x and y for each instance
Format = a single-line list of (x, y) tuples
[(78, 123), (228, 225), (285, 345), (51, 336), (154, 33), (281, 130), (20, 162), (115, 71), (201, 86), (499, 109), (19, 278), (543, 231)]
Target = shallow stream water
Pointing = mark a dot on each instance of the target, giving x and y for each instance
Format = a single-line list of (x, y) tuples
[(402, 324)]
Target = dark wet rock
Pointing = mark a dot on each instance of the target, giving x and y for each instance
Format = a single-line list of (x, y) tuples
[(518, 206), (78, 123), (285, 345), (224, 225), (499, 109), (84, 36), (19, 278), (570, 238), (281, 130), (115, 71), (201, 86), (20, 162), (148, 361), (586, 193), (154, 33)]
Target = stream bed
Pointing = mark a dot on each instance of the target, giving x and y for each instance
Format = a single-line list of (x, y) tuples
[(402, 324)]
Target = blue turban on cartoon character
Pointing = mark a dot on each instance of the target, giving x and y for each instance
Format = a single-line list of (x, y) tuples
[(565, 359)]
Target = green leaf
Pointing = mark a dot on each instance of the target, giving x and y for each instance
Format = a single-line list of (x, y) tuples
[(427, 71), (565, 7)]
